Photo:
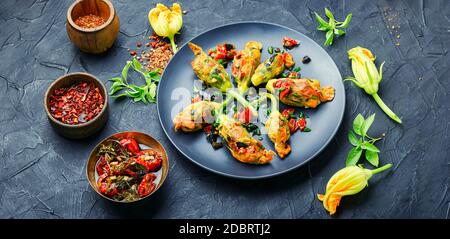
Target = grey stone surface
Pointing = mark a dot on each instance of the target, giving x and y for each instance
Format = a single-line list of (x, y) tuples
[(42, 174)]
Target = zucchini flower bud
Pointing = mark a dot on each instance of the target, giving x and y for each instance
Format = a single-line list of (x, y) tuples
[(347, 181), (166, 22), (367, 77)]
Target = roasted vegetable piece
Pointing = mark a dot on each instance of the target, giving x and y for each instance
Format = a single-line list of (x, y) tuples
[(107, 186), (131, 145), (300, 92), (278, 128), (147, 185), (279, 133), (150, 159), (272, 67), (102, 166), (195, 116), (241, 144), (209, 70), (245, 63)]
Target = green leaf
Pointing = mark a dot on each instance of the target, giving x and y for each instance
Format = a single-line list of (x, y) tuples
[(353, 139), (152, 91), (338, 32), (323, 28), (116, 79), (320, 20), (370, 147), (367, 123), (329, 14), (353, 156), (115, 88), (119, 96), (125, 71), (329, 38), (372, 157), (358, 124), (346, 22), (136, 65)]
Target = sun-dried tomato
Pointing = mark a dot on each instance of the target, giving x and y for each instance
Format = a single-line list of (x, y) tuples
[(147, 185)]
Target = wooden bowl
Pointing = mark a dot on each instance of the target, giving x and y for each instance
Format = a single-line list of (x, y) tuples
[(142, 139), (82, 130), (93, 40)]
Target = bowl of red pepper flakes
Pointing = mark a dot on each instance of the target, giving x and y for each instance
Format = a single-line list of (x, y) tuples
[(77, 105), (127, 167)]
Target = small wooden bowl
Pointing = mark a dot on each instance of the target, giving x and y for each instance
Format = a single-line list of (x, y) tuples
[(82, 130), (93, 40), (141, 138)]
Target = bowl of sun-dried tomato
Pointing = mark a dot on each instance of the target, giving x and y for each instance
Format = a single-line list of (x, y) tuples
[(77, 105)]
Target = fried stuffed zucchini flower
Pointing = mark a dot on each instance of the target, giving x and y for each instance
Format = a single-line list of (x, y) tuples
[(245, 63), (366, 76), (347, 181), (195, 116), (272, 67), (209, 70), (241, 144), (278, 129), (300, 92), (166, 22)]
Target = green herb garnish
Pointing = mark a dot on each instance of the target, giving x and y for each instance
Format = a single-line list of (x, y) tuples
[(145, 93), (365, 142), (332, 27)]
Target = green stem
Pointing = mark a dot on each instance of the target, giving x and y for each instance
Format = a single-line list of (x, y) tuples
[(172, 42), (386, 109), (381, 169)]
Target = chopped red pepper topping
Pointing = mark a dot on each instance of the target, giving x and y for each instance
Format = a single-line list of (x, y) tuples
[(245, 116), (289, 42)]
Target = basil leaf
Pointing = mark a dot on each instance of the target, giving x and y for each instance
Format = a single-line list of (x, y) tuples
[(329, 38), (116, 79), (125, 71), (358, 124), (119, 96), (352, 139), (320, 20), (372, 157), (346, 22), (370, 147), (136, 65), (353, 156), (152, 91), (367, 123), (329, 14)]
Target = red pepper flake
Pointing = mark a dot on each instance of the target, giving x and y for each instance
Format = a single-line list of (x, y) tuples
[(133, 53), (77, 104), (90, 21), (139, 44)]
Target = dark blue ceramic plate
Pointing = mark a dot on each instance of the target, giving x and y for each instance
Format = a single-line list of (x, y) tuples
[(324, 121)]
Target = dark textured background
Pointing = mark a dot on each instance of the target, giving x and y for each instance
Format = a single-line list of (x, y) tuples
[(42, 174)]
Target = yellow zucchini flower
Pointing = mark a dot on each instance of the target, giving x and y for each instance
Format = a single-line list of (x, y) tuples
[(347, 181), (166, 22), (367, 77)]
